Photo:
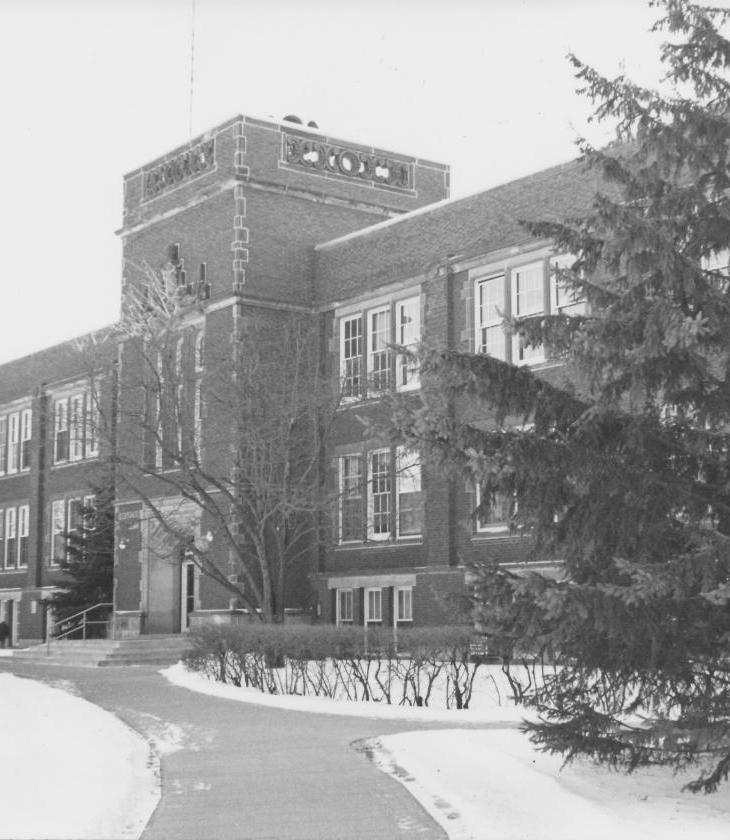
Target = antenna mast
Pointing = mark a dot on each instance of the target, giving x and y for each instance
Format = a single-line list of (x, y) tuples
[(192, 68)]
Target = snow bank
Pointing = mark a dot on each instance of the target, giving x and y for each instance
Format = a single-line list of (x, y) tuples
[(492, 784), (70, 769), (488, 712)]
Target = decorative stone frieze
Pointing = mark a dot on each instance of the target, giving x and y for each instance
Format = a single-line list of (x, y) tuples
[(352, 163), (188, 164)]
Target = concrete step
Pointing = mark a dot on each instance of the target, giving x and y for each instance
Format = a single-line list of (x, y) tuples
[(148, 650)]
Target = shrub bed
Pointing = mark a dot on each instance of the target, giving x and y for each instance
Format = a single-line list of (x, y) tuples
[(429, 666)]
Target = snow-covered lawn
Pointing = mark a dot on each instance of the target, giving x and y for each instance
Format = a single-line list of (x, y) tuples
[(491, 784), (70, 769)]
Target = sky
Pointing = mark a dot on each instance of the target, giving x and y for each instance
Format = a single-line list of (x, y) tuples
[(91, 89)]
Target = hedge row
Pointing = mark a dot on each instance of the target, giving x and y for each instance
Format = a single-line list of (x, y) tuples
[(422, 666)]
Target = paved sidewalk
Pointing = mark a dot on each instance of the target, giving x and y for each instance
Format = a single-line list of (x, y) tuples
[(245, 771)]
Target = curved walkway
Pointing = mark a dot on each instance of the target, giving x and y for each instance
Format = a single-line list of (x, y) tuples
[(236, 770)]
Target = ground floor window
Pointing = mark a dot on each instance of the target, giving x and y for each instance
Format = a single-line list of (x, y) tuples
[(404, 603), (373, 605), (14, 535), (344, 606)]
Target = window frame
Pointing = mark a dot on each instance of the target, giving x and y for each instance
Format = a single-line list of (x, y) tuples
[(383, 356), (10, 563), (408, 461), (386, 477), (3, 444), (369, 617), (13, 456), (500, 527), (58, 534), (352, 364), (399, 614), (496, 323), (367, 369), (26, 435), (23, 536), (340, 595), (532, 355), (346, 492)]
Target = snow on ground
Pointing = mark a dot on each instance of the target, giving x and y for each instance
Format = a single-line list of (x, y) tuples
[(493, 713), (70, 769), (492, 785)]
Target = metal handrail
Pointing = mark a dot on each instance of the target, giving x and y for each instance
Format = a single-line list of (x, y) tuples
[(79, 624)]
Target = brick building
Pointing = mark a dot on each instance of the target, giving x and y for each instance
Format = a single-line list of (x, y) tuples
[(254, 221)]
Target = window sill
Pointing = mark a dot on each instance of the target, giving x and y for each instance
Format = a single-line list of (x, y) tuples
[(18, 474), (374, 398), (81, 461), (402, 542), (13, 570)]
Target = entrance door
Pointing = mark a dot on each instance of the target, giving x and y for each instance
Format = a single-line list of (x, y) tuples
[(187, 595)]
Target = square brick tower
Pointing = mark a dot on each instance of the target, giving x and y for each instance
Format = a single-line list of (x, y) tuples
[(233, 217)]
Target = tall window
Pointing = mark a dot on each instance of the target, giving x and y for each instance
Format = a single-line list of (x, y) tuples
[(23, 534), (351, 490), (344, 606), (528, 298), (563, 300), (489, 317), (3, 445), (410, 502), (93, 419), (379, 357), (368, 365), (13, 442), (26, 430), (404, 603), (58, 531), (373, 605), (379, 512), (60, 425), (76, 427), (495, 516), (352, 346), (11, 547), (408, 334)]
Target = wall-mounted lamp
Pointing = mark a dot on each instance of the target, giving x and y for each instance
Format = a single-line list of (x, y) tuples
[(209, 537), (122, 545)]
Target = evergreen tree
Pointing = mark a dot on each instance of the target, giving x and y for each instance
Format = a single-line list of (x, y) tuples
[(623, 480), (88, 564)]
